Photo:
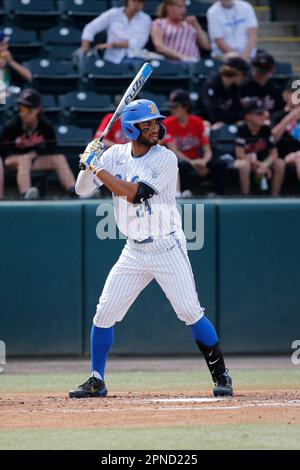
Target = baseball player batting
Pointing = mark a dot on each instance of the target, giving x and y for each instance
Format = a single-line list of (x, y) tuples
[(142, 177)]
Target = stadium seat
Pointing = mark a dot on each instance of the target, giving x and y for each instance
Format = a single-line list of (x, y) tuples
[(61, 41), (53, 77), (204, 68), (223, 140), (168, 75), (51, 109), (23, 44), (62, 35), (85, 109), (71, 141), (105, 77), (3, 11), (79, 13), (34, 14), (283, 72), (201, 70)]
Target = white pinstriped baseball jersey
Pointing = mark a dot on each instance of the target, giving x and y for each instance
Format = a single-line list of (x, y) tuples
[(156, 245), (158, 216)]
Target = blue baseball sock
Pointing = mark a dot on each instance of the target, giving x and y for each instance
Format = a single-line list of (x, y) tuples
[(101, 342), (204, 332)]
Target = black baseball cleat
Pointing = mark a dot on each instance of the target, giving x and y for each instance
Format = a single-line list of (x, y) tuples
[(223, 386), (93, 387)]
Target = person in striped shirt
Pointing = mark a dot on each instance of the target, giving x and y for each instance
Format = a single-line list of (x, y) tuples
[(176, 36)]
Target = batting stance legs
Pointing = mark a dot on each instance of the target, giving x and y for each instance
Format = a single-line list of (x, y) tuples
[(167, 262)]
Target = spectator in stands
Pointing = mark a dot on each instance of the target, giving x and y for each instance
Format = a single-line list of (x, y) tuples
[(232, 27), (11, 73), (28, 142), (260, 84), (255, 144), (186, 137), (286, 130), (176, 36), (1, 179), (115, 135), (127, 28), (221, 94)]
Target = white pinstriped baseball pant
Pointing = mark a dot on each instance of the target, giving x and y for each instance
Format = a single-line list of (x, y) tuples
[(164, 260)]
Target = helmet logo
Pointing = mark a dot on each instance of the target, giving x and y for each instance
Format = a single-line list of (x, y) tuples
[(152, 108)]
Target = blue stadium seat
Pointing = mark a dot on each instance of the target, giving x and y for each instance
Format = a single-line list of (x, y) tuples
[(71, 141), (34, 14), (105, 77), (49, 104), (283, 72), (53, 77), (205, 67), (23, 44), (201, 70), (51, 108), (3, 11), (61, 41), (81, 13), (223, 140), (85, 108), (168, 75)]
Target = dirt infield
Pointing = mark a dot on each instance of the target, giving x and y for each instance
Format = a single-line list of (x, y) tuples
[(136, 409)]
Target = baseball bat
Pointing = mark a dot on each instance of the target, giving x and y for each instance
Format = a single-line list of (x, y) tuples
[(132, 91)]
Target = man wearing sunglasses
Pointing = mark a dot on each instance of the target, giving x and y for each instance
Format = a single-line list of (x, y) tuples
[(29, 144)]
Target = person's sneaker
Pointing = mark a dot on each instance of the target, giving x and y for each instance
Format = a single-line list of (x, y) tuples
[(32, 194), (223, 386), (93, 387)]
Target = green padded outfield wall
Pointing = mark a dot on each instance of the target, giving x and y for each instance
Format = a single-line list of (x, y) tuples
[(259, 275), (150, 326), (40, 278), (53, 268)]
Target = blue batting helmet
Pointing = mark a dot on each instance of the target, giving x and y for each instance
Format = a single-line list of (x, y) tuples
[(140, 111)]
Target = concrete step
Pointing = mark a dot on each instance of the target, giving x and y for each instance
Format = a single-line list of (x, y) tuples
[(278, 28), (284, 44), (259, 3), (263, 13)]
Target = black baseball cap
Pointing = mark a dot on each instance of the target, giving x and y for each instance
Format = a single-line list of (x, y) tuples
[(254, 106), (237, 63), (179, 96), (263, 62), (30, 98)]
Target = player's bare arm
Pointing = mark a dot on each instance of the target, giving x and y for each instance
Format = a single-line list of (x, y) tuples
[(117, 186)]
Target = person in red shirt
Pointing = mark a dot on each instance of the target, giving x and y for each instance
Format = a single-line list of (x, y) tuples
[(187, 138), (115, 135)]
